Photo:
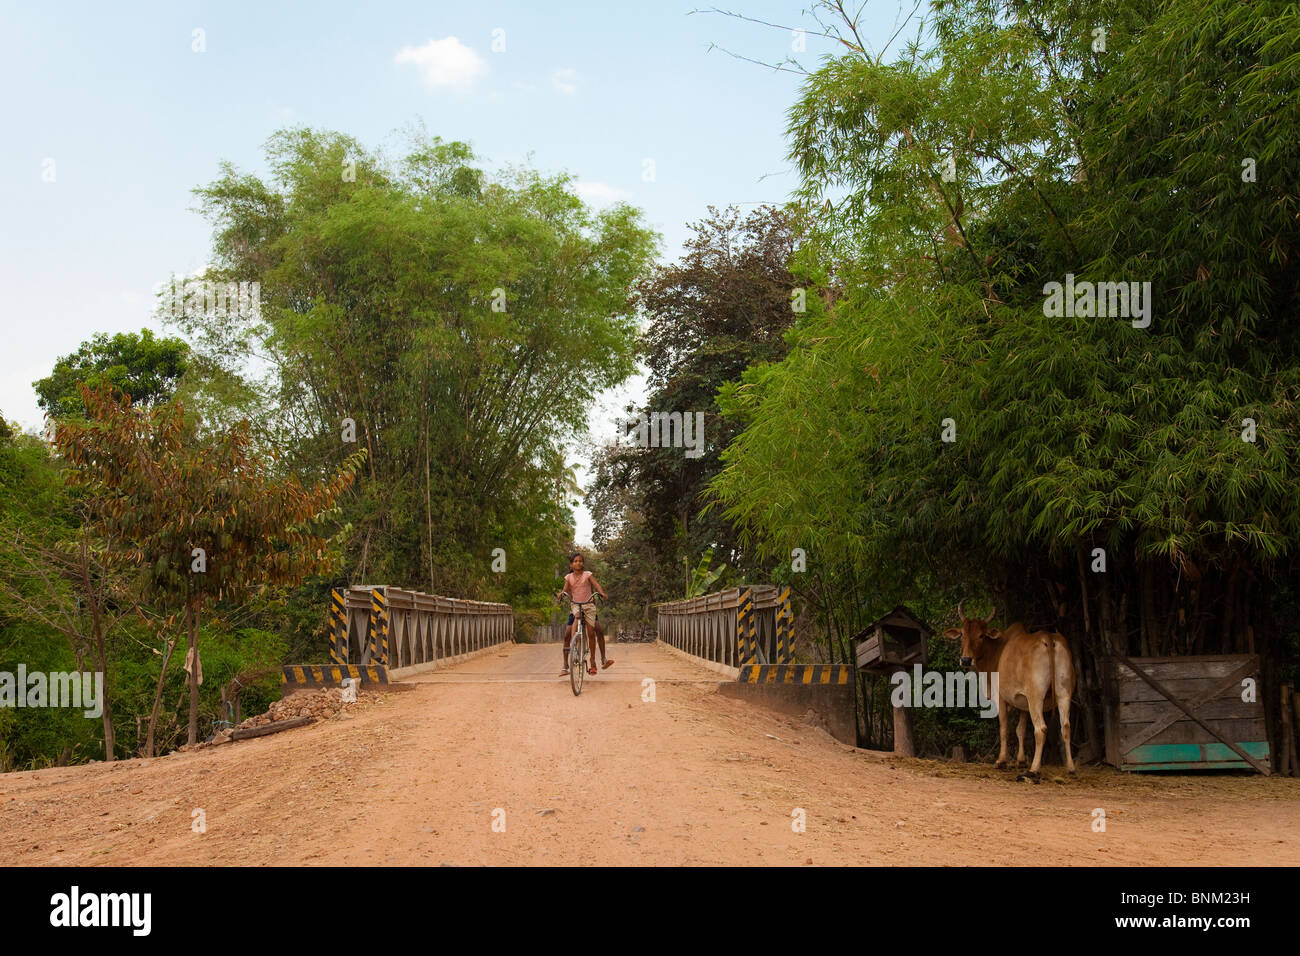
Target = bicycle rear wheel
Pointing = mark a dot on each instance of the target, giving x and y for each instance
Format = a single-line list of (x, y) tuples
[(578, 660)]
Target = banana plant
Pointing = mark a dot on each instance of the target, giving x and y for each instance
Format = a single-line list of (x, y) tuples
[(702, 578)]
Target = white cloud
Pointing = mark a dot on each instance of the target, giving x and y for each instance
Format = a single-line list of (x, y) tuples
[(444, 63), (599, 194), (566, 80)]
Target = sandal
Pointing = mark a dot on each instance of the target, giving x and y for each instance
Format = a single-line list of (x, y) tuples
[(591, 669), (606, 664)]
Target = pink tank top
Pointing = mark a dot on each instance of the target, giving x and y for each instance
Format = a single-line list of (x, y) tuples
[(579, 586)]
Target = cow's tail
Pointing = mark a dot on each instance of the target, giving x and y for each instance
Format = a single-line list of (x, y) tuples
[(1051, 666)]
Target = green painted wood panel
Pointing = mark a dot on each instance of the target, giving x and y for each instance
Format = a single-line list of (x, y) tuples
[(1215, 756)]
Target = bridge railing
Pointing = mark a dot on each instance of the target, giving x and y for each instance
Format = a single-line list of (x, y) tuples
[(394, 627), (750, 624)]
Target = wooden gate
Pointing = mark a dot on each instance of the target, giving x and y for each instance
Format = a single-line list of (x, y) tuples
[(1203, 712)]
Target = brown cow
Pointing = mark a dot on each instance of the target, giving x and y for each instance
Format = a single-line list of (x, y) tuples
[(1035, 672)]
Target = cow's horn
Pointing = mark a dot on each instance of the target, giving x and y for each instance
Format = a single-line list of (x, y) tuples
[(960, 614), (992, 611)]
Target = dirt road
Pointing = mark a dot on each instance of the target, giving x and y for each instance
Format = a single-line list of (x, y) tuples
[(420, 776)]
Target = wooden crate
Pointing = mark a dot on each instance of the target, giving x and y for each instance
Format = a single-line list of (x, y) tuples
[(1146, 730)]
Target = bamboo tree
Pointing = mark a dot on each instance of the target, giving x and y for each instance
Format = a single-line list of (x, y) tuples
[(1072, 432), (463, 321)]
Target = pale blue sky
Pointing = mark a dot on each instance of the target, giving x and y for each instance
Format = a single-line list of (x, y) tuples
[(133, 119)]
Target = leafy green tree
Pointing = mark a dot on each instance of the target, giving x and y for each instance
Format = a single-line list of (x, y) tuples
[(70, 584), (56, 588), (460, 322), (950, 187), (36, 737), (144, 367), (724, 307)]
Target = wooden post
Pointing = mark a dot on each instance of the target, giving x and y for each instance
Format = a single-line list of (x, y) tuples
[(1288, 733), (272, 728), (903, 744), (1289, 701), (1295, 729)]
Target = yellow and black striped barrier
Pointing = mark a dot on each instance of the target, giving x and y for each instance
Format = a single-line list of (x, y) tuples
[(746, 634), (794, 674), (784, 628), (378, 627), (331, 675), (338, 628)]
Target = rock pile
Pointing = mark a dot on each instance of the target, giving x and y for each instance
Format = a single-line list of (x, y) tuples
[(321, 704), (325, 703)]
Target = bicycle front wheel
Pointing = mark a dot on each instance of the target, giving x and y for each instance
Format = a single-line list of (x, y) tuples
[(578, 662)]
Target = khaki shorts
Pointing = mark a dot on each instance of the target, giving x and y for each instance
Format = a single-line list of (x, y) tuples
[(588, 611)]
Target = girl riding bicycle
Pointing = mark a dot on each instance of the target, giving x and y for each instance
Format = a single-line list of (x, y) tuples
[(578, 584)]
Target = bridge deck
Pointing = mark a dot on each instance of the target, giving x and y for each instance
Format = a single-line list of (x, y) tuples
[(516, 663)]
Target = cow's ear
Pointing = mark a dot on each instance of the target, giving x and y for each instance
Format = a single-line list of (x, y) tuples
[(992, 634), (952, 632)]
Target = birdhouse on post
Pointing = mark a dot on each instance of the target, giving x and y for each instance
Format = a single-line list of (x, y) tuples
[(895, 642)]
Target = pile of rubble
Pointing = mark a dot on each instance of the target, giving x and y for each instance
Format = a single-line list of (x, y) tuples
[(326, 703), (321, 704)]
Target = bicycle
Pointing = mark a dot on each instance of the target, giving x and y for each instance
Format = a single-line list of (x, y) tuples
[(578, 648)]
